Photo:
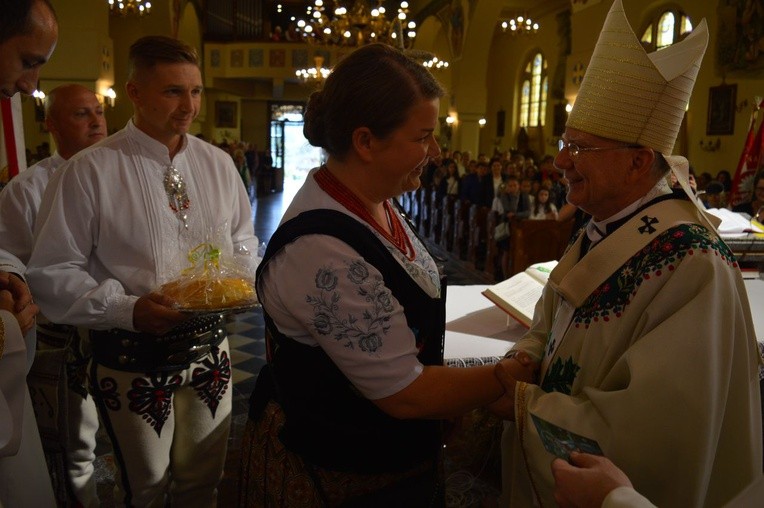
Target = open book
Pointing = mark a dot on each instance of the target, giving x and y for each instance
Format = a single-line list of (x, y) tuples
[(518, 295), (735, 224)]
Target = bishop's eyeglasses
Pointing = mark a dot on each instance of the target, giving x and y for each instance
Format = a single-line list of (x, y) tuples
[(574, 149)]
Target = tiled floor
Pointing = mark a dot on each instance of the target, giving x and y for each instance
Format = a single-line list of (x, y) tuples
[(246, 332)]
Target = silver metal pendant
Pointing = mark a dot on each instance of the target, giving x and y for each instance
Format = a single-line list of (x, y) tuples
[(175, 187)]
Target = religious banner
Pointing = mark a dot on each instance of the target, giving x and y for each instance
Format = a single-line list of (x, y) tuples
[(12, 149), (750, 160)]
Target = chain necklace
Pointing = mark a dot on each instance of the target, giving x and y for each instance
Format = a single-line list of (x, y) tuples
[(337, 190), (175, 187)]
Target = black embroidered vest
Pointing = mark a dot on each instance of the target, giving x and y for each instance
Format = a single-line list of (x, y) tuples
[(328, 422)]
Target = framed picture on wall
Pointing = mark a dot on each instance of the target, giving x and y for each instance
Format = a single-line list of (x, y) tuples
[(721, 110), (226, 114)]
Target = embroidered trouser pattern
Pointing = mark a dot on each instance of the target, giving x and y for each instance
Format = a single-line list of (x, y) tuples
[(169, 430), (78, 438), (82, 425)]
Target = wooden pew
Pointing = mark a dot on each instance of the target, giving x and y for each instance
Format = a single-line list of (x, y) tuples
[(492, 250), (476, 249), (534, 241), (425, 211), (415, 213), (436, 217), (461, 228), (447, 230)]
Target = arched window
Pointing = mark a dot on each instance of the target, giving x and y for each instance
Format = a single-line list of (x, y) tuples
[(534, 86), (666, 28)]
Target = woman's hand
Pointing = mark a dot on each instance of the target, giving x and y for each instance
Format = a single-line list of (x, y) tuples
[(519, 367), (522, 367)]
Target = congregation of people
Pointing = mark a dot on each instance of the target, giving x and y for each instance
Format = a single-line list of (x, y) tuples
[(645, 312), (510, 187)]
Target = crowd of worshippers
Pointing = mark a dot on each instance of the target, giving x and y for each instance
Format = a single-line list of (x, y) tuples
[(716, 191), (483, 180), (480, 181)]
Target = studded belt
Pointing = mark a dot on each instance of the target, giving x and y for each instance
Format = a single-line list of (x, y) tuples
[(142, 352)]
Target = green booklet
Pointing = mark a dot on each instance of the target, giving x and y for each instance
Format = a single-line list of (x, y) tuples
[(560, 442)]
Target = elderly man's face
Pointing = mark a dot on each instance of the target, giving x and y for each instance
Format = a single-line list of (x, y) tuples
[(598, 180), (22, 56)]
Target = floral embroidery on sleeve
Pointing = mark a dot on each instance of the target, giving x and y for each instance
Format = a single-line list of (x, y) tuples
[(365, 331)]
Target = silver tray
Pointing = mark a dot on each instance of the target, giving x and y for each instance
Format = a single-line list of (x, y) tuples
[(236, 309)]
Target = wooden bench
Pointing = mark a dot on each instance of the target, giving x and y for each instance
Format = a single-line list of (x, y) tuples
[(534, 241)]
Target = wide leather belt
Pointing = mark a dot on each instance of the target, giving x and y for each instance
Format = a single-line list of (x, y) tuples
[(142, 352), (54, 335)]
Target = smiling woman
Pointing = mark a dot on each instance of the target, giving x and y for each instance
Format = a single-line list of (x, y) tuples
[(370, 319)]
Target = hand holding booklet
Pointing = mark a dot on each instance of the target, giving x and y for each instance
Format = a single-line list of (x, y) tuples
[(518, 295)]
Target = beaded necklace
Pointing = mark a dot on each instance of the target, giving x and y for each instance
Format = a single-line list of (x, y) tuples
[(344, 196)]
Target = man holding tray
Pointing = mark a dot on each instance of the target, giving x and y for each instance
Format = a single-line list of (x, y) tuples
[(117, 222)]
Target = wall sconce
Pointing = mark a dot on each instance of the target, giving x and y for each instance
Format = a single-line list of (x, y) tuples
[(568, 107), (447, 128), (39, 98), (711, 145), (481, 122), (39, 107), (109, 97)]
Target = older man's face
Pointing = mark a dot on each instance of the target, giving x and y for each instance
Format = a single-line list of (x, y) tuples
[(598, 180), (22, 56)]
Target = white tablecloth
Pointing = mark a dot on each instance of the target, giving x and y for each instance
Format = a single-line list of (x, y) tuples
[(755, 289), (475, 327)]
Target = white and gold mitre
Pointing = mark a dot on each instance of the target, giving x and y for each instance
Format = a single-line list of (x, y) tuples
[(631, 96)]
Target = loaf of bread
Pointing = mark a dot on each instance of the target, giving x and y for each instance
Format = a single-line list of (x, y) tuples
[(204, 293)]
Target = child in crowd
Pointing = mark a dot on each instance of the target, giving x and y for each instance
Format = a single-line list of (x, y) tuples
[(543, 208)]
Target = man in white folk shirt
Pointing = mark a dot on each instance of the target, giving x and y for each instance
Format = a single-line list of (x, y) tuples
[(28, 35), (114, 223), (643, 334), (75, 119)]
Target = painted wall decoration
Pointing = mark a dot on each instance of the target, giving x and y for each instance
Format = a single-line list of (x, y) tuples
[(237, 58), (277, 58), (255, 57), (721, 110), (226, 114), (580, 5), (299, 58), (741, 36)]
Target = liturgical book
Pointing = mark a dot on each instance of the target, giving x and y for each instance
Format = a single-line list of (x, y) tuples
[(518, 295)]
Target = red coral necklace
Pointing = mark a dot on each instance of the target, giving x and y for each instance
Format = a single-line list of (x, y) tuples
[(337, 190)]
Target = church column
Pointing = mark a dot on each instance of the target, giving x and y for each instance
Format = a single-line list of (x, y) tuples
[(467, 132)]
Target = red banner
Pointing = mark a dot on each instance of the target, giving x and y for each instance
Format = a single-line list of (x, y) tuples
[(12, 147), (749, 164)]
